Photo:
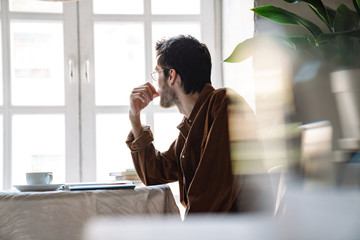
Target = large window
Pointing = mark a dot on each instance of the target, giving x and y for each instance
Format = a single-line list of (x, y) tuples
[(67, 70)]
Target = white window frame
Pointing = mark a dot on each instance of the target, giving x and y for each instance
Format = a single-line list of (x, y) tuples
[(79, 109)]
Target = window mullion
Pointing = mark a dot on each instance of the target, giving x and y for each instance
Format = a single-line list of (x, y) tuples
[(72, 118), (210, 29), (6, 96), (87, 92), (148, 54)]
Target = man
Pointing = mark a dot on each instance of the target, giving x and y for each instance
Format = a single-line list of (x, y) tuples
[(200, 157)]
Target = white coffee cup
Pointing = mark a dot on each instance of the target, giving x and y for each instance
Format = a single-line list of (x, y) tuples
[(33, 178)]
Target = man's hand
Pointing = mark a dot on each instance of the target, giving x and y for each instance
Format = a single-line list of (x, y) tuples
[(140, 97)]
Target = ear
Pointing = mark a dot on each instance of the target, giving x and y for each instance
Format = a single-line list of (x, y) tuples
[(172, 76)]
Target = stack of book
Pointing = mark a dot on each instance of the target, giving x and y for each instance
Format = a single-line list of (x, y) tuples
[(129, 174)]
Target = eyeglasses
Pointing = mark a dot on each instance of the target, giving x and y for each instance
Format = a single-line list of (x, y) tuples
[(155, 74)]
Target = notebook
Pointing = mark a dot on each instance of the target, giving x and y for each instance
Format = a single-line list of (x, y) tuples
[(99, 186)]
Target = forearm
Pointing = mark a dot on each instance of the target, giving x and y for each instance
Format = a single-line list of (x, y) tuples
[(136, 125), (152, 166)]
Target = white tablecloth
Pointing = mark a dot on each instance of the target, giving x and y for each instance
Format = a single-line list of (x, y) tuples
[(62, 215)]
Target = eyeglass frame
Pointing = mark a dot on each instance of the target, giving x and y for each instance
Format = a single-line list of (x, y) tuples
[(156, 73)]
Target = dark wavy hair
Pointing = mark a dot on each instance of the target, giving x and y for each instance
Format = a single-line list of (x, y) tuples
[(190, 58)]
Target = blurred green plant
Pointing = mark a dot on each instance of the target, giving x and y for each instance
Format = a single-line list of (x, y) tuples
[(340, 44)]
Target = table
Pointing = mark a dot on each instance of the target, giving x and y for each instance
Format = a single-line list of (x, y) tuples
[(62, 215)]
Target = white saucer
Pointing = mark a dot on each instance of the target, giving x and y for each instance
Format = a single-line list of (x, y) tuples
[(38, 187)]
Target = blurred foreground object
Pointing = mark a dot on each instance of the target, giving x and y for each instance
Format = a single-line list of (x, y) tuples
[(335, 51), (331, 215), (271, 140), (297, 114), (316, 164), (346, 87), (274, 107), (59, 0)]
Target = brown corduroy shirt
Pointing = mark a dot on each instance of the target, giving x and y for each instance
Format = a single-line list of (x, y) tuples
[(199, 158)]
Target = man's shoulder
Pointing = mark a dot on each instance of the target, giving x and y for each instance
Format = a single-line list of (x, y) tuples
[(225, 94), (222, 97), (216, 100), (219, 94), (234, 96), (227, 97)]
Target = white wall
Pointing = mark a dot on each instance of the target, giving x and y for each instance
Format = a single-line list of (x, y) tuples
[(237, 25)]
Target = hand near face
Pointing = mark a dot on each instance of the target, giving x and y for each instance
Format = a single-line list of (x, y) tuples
[(140, 97)]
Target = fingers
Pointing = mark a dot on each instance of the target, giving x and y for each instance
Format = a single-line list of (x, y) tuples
[(141, 94), (140, 97), (145, 93), (153, 90), (137, 96)]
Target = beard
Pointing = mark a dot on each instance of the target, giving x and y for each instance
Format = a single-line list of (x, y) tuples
[(168, 97)]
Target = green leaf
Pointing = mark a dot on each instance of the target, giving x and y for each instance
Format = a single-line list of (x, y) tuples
[(318, 8), (345, 19), (332, 14), (329, 22), (357, 6), (244, 50), (283, 16), (257, 44), (342, 48), (301, 42), (326, 37), (305, 47)]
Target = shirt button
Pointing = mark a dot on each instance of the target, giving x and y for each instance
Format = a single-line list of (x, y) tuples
[(183, 156), (189, 121)]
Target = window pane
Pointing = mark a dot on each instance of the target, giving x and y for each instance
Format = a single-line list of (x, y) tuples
[(170, 29), (165, 129), (38, 144), (175, 6), (119, 61), (35, 6), (112, 154), (37, 63), (118, 6)]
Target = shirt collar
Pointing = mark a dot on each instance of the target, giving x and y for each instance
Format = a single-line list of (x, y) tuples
[(204, 94)]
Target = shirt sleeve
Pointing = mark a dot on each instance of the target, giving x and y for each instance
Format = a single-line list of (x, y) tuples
[(152, 166)]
